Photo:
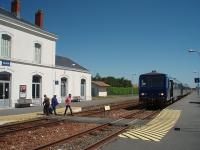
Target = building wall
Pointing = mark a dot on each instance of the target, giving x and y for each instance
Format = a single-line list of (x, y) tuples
[(102, 91), (22, 66), (22, 46), (21, 74), (99, 91)]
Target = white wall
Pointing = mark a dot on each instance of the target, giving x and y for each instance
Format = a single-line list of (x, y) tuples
[(102, 91), (22, 75), (99, 91), (74, 82), (22, 66), (22, 46)]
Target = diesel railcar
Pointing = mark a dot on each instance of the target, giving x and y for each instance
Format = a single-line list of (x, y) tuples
[(156, 89)]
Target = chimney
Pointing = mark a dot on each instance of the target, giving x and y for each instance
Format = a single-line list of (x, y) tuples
[(39, 16), (15, 8)]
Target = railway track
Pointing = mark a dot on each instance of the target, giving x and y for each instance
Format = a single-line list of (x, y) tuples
[(95, 137), (113, 107), (29, 125), (98, 135)]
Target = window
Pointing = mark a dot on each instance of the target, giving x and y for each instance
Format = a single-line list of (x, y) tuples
[(6, 45), (152, 81), (83, 87), (64, 86), (37, 53)]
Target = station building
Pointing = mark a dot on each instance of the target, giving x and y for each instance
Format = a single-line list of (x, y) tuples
[(29, 66)]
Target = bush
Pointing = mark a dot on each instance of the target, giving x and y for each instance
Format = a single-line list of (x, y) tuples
[(121, 91)]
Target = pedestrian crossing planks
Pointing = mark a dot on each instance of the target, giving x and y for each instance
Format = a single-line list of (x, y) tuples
[(156, 129)]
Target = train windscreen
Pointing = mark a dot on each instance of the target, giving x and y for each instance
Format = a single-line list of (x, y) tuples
[(152, 81)]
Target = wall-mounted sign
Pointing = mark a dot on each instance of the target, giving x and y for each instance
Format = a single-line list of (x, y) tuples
[(5, 62), (196, 80), (56, 82), (22, 91)]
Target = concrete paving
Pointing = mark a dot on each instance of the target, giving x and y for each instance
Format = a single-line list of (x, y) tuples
[(184, 116)]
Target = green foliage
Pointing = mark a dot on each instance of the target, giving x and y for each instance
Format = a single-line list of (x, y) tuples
[(122, 91), (112, 81)]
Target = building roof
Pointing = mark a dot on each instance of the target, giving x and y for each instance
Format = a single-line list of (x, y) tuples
[(16, 19), (100, 83), (68, 63)]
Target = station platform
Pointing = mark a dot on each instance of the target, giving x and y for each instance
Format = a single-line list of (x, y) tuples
[(176, 128), (22, 114)]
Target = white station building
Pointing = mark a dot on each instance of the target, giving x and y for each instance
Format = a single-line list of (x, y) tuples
[(29, 67)]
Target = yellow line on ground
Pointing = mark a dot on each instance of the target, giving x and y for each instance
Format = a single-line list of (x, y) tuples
[(155, 135), (145, 136), (122, 136), (134, 135), (156, 129)]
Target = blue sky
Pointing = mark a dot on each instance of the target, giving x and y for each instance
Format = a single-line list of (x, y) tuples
[(123, 37)]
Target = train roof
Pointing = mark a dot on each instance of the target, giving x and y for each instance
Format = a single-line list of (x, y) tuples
[(152, 73)]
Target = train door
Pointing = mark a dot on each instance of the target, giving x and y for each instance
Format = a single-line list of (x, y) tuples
[(171, 89), (168, 89)]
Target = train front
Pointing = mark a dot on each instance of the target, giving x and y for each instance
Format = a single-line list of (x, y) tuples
[(153, 89)]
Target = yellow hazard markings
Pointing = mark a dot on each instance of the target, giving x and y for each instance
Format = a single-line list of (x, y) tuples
[(156, 129)]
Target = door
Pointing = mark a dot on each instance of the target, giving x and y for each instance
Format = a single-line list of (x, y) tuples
[(4, 94), (36, 90)]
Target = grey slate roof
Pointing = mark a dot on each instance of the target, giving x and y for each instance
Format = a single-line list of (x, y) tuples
[(12, 16), (68, 63)]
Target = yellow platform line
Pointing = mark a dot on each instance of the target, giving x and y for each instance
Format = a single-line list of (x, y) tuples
[(126, 135), (156, 129), (150, 136), (135, 135)]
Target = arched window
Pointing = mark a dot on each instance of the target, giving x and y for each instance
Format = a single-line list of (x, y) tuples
[(5, 45), (64, 87), (83, 88), (37, 54)]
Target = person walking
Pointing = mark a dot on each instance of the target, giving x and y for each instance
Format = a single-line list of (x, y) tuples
[(68, 102), (54, 103), (46, 104)]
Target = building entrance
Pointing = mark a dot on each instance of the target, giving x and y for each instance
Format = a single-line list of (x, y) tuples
[(4, 89)]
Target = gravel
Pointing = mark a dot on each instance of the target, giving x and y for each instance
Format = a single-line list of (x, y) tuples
[(30, 139)]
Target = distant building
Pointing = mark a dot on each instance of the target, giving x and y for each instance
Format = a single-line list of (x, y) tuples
[(99, 88), (29, 67)]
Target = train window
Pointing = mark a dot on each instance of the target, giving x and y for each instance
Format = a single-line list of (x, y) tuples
[(153, 81)]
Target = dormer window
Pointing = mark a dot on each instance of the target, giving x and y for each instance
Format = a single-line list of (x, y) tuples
[(37, 53), (5, 45)]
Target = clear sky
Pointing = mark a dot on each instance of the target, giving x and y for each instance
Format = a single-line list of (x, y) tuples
[(124, 37)]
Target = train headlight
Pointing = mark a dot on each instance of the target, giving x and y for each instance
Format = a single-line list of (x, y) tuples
[(161, 94)]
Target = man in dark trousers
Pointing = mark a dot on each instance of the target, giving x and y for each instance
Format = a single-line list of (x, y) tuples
[(46, 104), (68, 102), (54, 103)]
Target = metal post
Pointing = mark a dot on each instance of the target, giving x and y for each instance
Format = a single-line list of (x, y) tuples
[(133, 84)]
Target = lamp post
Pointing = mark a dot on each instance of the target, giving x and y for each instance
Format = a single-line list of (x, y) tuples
[(198, 52), (194, 51), (198, 81), (133, 83)]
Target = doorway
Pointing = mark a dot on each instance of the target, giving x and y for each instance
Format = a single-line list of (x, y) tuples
[(5, 89)]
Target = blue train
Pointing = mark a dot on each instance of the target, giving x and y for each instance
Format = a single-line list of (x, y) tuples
[(157, 89)]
